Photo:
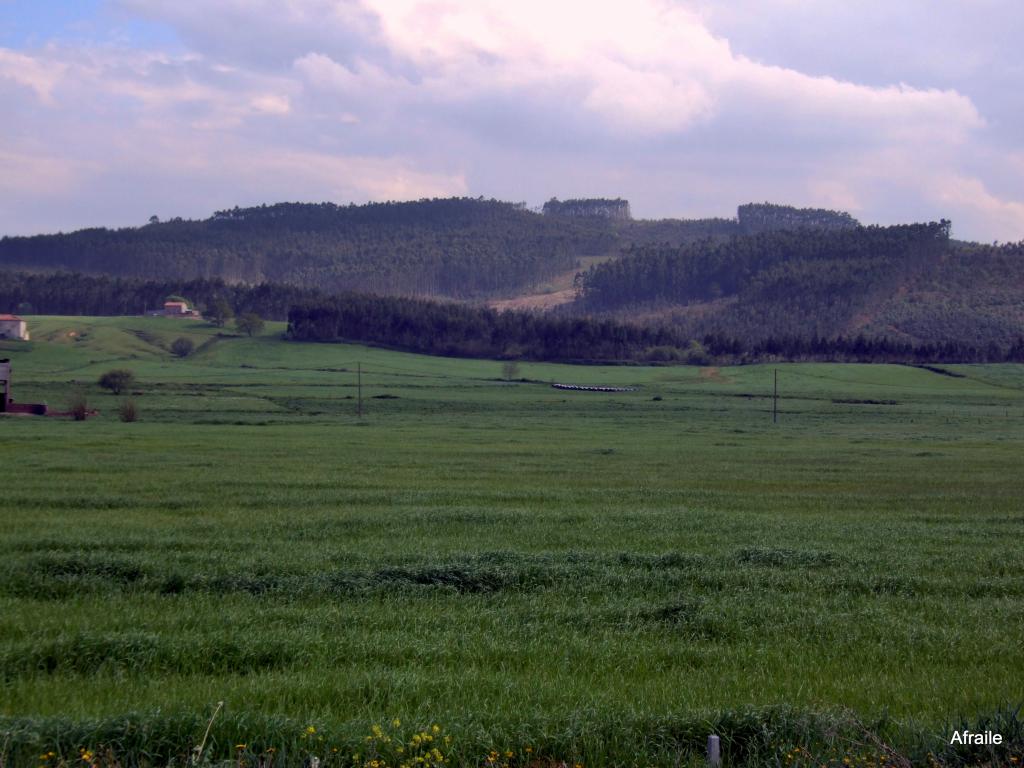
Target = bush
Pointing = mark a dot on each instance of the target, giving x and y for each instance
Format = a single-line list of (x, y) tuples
[(696, 354), (78, 406), (182, 347), (128, 411), (510, 370), (117, 380), (663, 354)]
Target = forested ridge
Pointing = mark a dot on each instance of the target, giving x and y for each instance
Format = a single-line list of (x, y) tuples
[(457, 247), (907, 282), (460, 248), (760, 266)]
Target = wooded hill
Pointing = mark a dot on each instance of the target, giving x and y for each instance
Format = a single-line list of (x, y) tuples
[(908, 283), (772, 272), (456, 248)]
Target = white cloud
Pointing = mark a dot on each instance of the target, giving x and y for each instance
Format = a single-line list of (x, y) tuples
[(38, 74), (1002, 219), (365, 99), (651, 66), (126, 132), (270, 104)]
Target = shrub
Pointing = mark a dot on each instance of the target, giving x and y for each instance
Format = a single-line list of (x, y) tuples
[(510, 370), (663, 354), (696, 354), (128, 411), (117, 380), (182, 347), (78, 406)]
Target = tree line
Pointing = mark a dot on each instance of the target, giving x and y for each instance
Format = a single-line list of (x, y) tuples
[(472, 331), (468, 331), (753, 218), (65, 293)]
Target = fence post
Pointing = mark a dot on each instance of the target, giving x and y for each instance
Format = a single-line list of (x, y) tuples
[(714, 751)]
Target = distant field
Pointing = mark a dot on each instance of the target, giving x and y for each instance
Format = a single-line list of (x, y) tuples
[(601, 578)]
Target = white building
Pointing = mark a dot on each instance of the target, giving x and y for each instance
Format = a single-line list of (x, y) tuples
[(174, 309), (13, 327)]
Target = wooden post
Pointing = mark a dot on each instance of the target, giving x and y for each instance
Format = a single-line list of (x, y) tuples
[(360, 385), (714, 751), (775, 399)]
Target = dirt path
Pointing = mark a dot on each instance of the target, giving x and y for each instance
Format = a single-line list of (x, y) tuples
[(535, 300), (557, 291)]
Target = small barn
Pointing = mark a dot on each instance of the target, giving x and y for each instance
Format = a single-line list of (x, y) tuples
[(174, 308), (13, 327)]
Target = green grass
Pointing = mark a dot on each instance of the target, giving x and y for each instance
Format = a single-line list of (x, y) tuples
[(602, 577)]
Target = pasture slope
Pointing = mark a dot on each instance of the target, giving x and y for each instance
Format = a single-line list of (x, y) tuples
[(546, 575)]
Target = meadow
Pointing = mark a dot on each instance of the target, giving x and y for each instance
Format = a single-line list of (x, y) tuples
[(548, 576)]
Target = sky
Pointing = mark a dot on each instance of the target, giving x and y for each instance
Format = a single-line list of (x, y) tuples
[(117, 110)]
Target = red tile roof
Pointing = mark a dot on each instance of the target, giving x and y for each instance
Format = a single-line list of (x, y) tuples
[(9, 317)]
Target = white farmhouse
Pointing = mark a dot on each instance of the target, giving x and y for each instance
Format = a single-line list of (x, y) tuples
[(13, 327)]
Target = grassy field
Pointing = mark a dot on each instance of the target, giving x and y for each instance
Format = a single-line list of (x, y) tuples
[(598, 578)]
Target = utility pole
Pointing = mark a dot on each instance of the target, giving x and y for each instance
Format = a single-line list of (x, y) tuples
[(775, 399), (359, 368)]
